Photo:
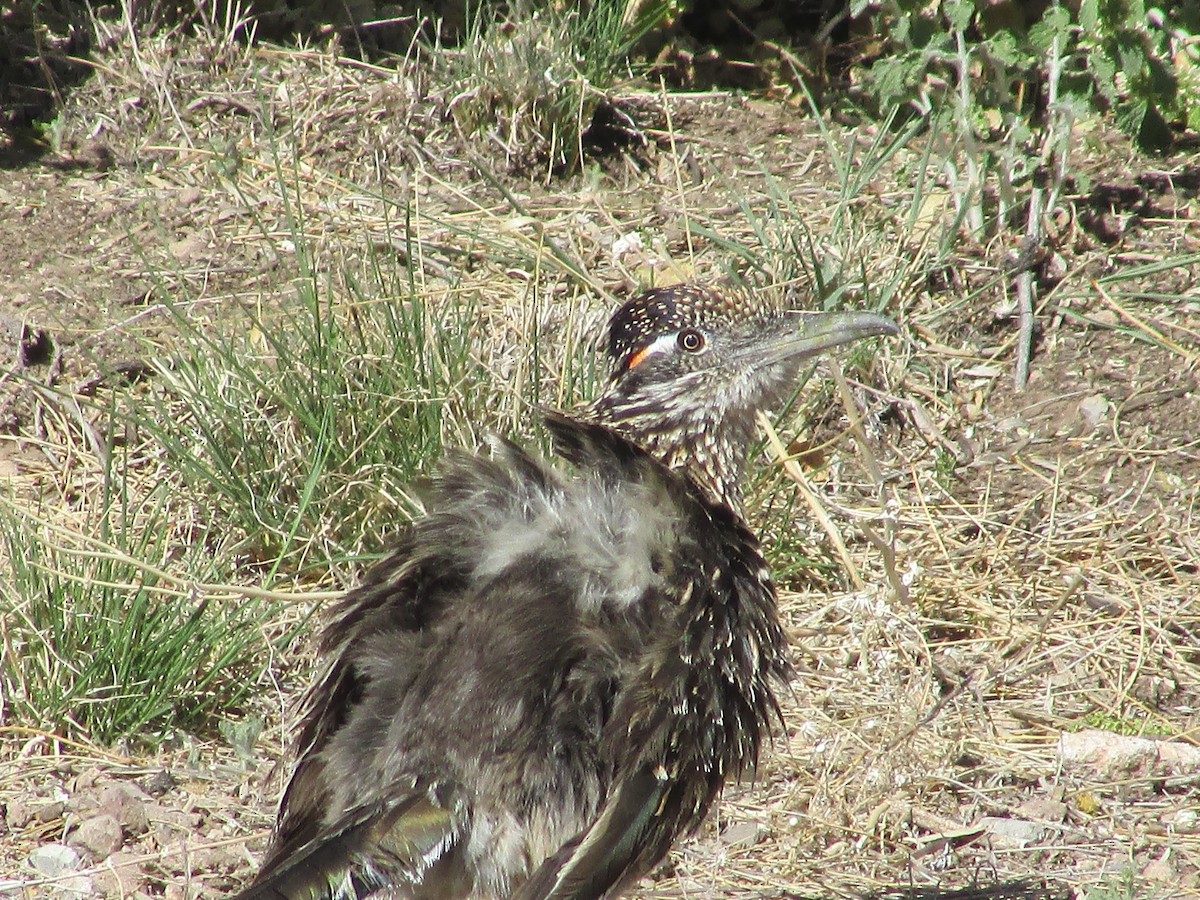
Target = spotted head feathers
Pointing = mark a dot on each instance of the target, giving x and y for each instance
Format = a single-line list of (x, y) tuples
[(684, 312), (691, 366)]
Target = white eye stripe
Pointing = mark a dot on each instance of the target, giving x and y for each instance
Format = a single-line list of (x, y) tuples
[(660, 344)]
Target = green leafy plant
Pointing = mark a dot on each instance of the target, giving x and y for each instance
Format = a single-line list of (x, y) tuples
[(1134, 724), (1122, 886), (1001, 71), (1142, 61), (1008, 92), (1005, 95)]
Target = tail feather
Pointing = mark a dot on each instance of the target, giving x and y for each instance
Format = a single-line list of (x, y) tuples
[(617, 848), (370, 847)]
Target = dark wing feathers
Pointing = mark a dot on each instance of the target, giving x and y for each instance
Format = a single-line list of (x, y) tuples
[(596, 448), (406, 592), (675, 693), (614, 850), (386, 842)]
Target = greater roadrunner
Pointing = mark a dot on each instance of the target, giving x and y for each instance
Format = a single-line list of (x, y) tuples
[(553, 675)]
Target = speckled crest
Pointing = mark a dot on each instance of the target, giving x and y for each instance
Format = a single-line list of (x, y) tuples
[(665, 310)]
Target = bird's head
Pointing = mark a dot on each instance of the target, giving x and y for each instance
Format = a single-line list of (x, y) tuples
[(691, 367)]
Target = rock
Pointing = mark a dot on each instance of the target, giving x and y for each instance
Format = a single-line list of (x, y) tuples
[(1095, 410), (166, 824), (127, 804), (1162, 869), (1185, 821), (120, 875), (73, 886), (211, 860), (1013, 833), (743, 834), (85, 780), (48, 812), (173, 819), (1043, 809), (159, 783), (52, 860), (98, 836), (1115, 756), (58, 862), (18, 813)]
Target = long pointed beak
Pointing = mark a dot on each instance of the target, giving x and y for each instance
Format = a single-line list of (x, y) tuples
[(803, 335)]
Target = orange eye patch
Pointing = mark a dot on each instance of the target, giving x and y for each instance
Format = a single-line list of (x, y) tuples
[(637, 358), (660, 344)]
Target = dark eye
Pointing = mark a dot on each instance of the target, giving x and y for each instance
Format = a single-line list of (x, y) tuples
[(691, 340)]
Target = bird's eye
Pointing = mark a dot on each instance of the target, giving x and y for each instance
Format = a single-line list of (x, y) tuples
[(691, 340)]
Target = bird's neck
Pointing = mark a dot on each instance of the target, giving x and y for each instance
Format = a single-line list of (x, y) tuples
[(712, 458)]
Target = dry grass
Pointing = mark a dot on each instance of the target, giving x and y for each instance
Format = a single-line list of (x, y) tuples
[(1026, 574)]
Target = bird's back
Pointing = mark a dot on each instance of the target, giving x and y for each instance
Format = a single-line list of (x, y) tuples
[(539, 690)]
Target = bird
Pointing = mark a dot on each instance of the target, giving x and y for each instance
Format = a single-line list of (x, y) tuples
[(554, 672)]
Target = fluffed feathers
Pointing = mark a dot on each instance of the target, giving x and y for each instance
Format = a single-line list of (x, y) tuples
[(497, 715)]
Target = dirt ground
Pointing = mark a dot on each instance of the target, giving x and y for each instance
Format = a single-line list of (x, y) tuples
[(1012, 688)]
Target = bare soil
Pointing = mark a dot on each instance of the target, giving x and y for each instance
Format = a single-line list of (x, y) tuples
[(1011, 689)]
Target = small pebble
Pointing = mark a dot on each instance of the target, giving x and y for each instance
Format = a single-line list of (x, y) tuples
[(159, 783), (18, 813), (98, 836), (73, 886), (1185, 821), (53, 860), (48, 812)]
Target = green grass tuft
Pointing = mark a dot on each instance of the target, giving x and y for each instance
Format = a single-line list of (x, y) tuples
[(101, 644), (531, 79), (301, 426)]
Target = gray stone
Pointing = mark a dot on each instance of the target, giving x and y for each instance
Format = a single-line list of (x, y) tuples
[(48, 812), (73, 886), (98, 836), (127, 804), (1015, 833), (53, 860)]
